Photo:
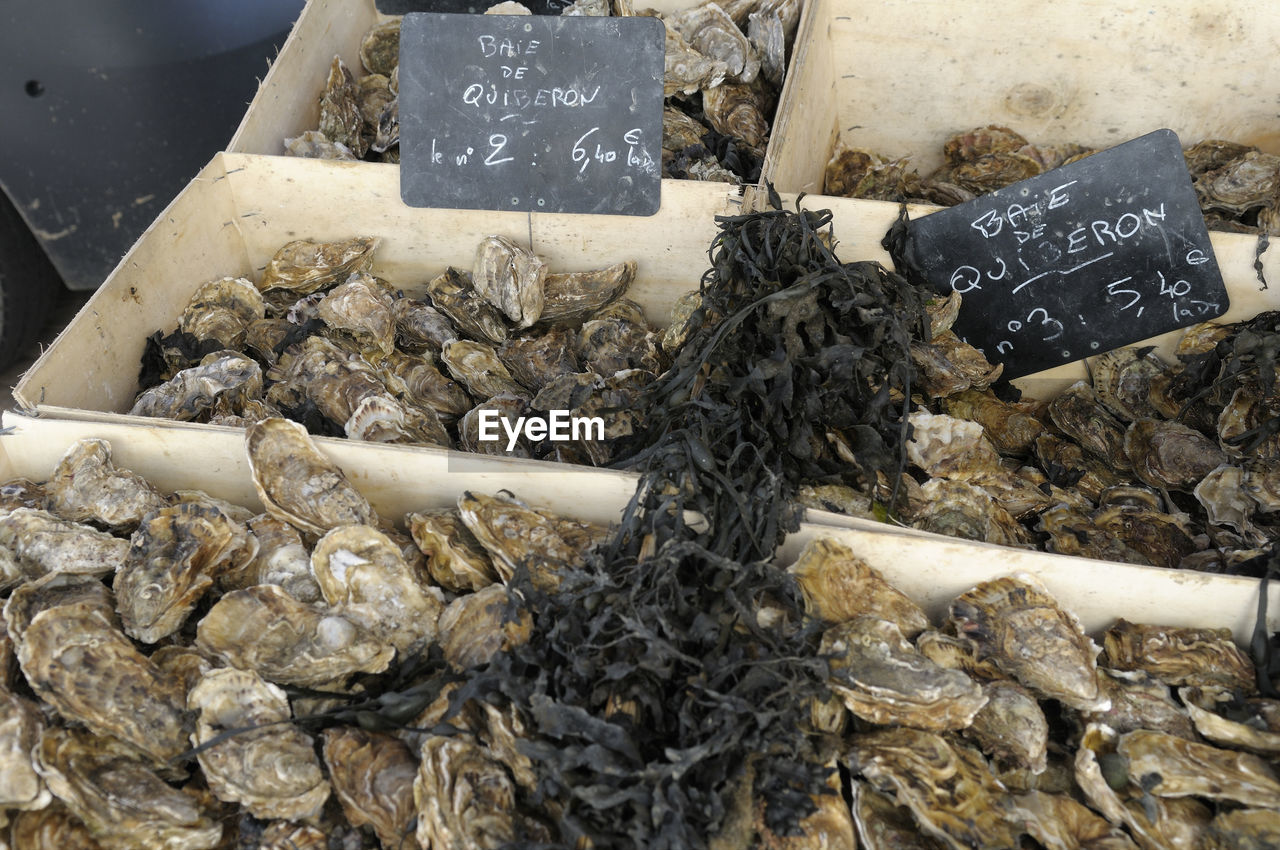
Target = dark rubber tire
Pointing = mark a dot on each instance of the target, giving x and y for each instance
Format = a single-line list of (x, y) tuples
[(29, 285)]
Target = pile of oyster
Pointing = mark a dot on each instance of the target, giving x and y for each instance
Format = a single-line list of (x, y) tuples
[(147, 625), (1238, 186), (321, 340), (724, 67), (1165, 464)]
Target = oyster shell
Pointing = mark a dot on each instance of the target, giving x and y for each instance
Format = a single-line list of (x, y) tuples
[(125, 805), (312, 144), (993, 171), (340, 109), (477, 366), (1160, 539), (1011, 728), (455, 559), (710, 31), (23, 493), (174, 557), (949, 789), (373, 776), (1243, 829), (569, 296), (508, 408), (20, 728), (1058, 822), (510, 278), (221, 376), (536, 360), (1067, 463), (42, 543), (476, 626), (1011, 427), (1168, 766), (303, 266), (960, 509), (362, 308), (268, 767), (52, 826), (222, 310), (362, 574), (882, 825), (1018, 625), (421, 327), (956, 654), (1169, 454), (1249, 181), (839, 586), (610, 342), (946, 447), (464, 798), (266, 630), (974, 144), (76, 660), (738, 110), (1122, 379), (380, 47), (281, 559), (383, 419), (297, 483), (1180, 656), (1140, 701), (516, 535), (769, 29), (883, 679), (1241, 425), (1211, 154), (686, 70), (1222, 717), (419, 383), (453, 294), (1082, 417), (51, 591), (949, 365), (1262, 482)]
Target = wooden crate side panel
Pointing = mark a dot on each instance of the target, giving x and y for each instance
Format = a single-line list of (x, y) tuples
[(933, 572), (287, 102), (94, 362), (909, 73), (805, 124), (394, 479)]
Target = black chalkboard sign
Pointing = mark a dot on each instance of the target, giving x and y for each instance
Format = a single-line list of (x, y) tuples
[(544, 114), (472, 7), (1106, 251)]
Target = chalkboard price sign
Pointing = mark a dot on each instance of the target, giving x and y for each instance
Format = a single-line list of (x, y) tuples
[(473, 7), (539, 114), (1106, 251)]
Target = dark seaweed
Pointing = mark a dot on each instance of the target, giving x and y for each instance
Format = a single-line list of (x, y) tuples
[(165, 356)]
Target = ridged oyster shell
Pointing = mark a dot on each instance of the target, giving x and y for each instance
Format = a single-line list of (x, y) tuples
[(340, 109), (20, 729), (303, 266), (222, 310), (362, 307), (1180, 656), (569, 296), (453, 294), (281, 559), (510, 278), (272, 770), (221, 377), (1168, 766), (455, 559), (514, 534), (42, 543), (478, 367), (464, 798), (477, 625), (839, 586), (372, 775), (710, 31)]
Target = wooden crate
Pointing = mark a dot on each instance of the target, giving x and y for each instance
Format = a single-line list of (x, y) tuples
[(240, 209), (396, 480)]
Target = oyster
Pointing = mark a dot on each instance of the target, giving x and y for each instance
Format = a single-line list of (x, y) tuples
[(1212, 154), (373, 775), (485, 430), (571, 296), (1140, 701), (960, 509), (687, 71), (1122, 379), (374, 97), (452, 293), (297, 483), (882, 825), (267, 766), (303, 266), (1068, 464), (380, 47), (1168, 766), (464, 798), (516, 535), (974, 144), (477, 366), (76, 660), (1011, 728), (1249, 181), (221, 376), (1169, 454), (617, 339), (362, 308), (383, 419), (312, 144), (1241, 425), (501, 732), (1012, 427), (477, 625), (946, 447), (949, 365), (1243, 829), (287, 835), (1058, 822), (738, 110), (1261, 481), (1018, 625), (416, 381), (687, 314), (42, 543), (340, 109), (281, 559), (1224, 718), (510, 278), (363, 574), (20, 730), (993, 171), (839, 586), (770, 28), (883, 679), (710, 31), (948, 788), (125, 805), (837, 498), (222, 309), (1159, 539), (1180, 656), (536, 360), (956, 654), (455, 559), (421, 327), (52, 826), (174, 557), (1082, 417), (23, 493), (266, 630), (51, 591)]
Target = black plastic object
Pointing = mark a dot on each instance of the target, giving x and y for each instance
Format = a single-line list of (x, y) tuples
[(1100, 253), (111, 106), (538, 114), (472, 7)]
